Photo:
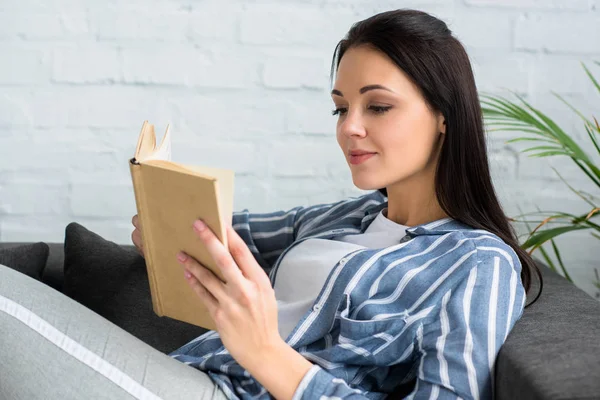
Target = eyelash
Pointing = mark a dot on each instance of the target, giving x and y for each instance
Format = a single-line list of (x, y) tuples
[(375, 109)]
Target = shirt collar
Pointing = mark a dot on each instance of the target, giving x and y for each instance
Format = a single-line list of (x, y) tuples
[(438, 227)]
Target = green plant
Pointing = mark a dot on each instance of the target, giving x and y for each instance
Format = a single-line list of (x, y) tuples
[(549, 140)]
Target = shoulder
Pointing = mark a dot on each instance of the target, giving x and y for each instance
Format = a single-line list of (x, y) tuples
[(443, 259), (452, 238), (492, 249), (314, 215), (349, 203)]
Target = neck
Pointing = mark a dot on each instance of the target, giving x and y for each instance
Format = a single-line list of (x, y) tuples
[(412, 203)]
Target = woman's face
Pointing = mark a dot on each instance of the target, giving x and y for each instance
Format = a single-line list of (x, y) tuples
[(382, 113)]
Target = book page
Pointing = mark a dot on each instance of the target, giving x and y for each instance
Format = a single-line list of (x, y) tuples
[(146, 142), (163, 152)]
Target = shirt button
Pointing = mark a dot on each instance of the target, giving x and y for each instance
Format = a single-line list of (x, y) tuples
[(316, 307), (343, 261)]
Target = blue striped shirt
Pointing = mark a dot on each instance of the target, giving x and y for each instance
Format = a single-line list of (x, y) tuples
[(436, 307)]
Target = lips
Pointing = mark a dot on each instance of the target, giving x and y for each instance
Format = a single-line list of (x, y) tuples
[(360, 158), (360, 152)]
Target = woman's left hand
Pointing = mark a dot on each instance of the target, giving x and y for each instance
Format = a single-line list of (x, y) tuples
[(243, 308)]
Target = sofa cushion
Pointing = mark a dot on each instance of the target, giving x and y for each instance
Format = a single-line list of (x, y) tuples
[(28, 259), (112, 281), (53, 273)]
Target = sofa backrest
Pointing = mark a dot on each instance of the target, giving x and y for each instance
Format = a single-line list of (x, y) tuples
[(553, 352)]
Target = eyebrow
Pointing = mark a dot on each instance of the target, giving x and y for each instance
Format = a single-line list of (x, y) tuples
[(363, 89)]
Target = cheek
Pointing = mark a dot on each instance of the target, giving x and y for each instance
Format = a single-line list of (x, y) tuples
[(408, 146), (340, 138)]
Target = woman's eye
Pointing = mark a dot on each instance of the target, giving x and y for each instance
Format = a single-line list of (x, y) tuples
[(375, 109), (380, 109), (339, 111)]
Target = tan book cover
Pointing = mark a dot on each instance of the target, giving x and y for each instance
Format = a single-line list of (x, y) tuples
[(169, 197)]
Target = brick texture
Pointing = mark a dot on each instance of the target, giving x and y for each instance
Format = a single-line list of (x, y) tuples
[(245, 85)]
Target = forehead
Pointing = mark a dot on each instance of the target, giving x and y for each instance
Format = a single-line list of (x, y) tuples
[(365, 65)]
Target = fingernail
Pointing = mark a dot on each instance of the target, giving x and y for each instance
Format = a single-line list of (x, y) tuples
[(181, 256), (187, 274), (199, 225)]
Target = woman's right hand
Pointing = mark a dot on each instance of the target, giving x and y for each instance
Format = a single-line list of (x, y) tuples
[(136, 235)]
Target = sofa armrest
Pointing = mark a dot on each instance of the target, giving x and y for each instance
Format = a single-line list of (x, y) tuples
[(53, 274)]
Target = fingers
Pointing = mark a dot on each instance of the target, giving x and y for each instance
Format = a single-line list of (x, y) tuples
[(136, 238), (202, 278), (219, 253), (208, 299), (136, 235), (244, 259)]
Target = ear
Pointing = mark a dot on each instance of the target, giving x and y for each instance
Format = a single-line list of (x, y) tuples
[(441, 123)]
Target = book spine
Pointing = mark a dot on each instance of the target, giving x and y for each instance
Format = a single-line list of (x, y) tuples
[(138, 191)]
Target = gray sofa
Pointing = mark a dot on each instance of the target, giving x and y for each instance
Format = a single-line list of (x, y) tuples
[(552, 353)]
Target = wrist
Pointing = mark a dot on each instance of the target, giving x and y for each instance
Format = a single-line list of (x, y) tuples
[(280, 369)]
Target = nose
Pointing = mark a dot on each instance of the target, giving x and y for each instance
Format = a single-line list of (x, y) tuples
[(352, 125)]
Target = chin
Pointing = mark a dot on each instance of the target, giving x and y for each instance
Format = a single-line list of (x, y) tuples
[(364, 184)]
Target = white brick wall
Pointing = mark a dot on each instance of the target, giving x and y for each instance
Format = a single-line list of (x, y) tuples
[(245, 86)]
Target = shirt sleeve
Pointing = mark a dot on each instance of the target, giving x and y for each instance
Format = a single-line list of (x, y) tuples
[(457, 349), (267, 235), (320, 384)]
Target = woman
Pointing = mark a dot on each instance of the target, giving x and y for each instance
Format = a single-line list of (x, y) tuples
[(423, 287), (408, 290)]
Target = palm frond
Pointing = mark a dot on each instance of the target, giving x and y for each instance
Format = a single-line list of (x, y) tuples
[(579, 194), (589, 74), (560, 261)]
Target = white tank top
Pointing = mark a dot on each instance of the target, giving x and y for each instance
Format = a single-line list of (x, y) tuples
[(305, 268)]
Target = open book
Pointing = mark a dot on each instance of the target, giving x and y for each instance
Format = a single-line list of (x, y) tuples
[(169, 197)]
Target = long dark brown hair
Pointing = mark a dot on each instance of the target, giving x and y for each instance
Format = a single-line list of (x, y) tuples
[(424, 48)]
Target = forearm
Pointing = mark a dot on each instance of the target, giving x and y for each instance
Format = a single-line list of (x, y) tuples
[(280, 370)]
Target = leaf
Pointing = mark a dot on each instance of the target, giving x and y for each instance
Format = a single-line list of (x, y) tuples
[(541, 237), (594, 169), (560, 262), (540, 213), (522, 130), (592, 213), (543, 148), (508, 123), (565, 139), (592, 137), (571, 107), (511, 116), (589, 74), (589, 195), (497, 105), (542, 250), (515, 112), (594, 179), (525, 116), (550, 153), (585, 219), (573, 189), (554, 215), (526, 139), (548, 259)]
